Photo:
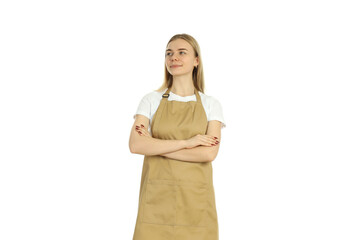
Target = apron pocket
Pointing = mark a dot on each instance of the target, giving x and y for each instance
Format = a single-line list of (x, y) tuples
[(160, 202), (191, 205)]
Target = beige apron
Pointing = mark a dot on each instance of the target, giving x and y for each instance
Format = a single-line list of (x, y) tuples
[(177, 199)]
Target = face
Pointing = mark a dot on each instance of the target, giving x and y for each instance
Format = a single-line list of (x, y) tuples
[(180, 58)]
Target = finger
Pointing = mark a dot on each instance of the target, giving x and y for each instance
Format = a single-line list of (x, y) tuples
[(214, 139), (140, 131), (210, 139), (145, 133), (144, 130), (207, 142)]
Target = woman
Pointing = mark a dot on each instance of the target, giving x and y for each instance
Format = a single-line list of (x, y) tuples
[(177, 199)]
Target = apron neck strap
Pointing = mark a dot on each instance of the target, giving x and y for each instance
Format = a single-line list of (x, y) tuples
[(167, 94)]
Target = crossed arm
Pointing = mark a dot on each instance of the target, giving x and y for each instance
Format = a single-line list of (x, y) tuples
[(176, 149), (196, 154)]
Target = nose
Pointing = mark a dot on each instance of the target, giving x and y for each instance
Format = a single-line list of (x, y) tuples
[(173, 57)]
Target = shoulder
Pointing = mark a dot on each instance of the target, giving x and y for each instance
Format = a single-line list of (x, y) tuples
[(213, 108), (152, 96), (210, 101), (149, 103)]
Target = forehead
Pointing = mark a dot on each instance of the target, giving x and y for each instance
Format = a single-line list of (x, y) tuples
[(179, 43)]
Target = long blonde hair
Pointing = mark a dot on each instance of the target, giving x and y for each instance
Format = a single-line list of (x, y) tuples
[(197, 74)]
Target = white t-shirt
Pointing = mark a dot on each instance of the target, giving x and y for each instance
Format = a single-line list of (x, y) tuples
[(151, 101)]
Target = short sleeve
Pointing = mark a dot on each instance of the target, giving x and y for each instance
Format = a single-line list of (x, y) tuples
[(216, 112), (144, 107)]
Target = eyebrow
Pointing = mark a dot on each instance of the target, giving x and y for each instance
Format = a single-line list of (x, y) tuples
[(178, 49)]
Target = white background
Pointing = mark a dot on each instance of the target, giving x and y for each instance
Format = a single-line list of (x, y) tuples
[(286, 73)]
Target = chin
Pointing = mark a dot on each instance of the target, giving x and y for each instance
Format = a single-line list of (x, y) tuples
[(177, 74)]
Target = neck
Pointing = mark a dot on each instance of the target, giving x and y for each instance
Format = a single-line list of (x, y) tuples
[(183, 86)]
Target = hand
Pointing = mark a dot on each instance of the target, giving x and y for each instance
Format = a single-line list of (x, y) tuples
[(142, 131), (205, 140)]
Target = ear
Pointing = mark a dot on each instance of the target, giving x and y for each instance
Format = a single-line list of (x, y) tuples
[(197, 61)]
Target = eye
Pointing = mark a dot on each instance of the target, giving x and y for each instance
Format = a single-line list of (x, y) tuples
[(169, 53)]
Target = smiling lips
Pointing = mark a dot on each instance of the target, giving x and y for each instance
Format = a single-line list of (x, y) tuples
[(174, 66)]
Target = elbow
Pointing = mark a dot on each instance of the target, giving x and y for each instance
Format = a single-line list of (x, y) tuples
[(132, 148), (211, 157), (136, 149), (212, 154)]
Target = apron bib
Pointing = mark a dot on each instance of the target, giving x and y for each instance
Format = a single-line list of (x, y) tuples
[(177, 199)]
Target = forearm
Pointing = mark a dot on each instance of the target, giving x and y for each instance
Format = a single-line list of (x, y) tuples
[(196, 154), (154, 146)]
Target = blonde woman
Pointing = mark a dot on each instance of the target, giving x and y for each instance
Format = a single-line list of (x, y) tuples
[(178, 130)]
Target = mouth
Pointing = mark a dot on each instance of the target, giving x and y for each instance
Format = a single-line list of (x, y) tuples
[(175, 66)]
